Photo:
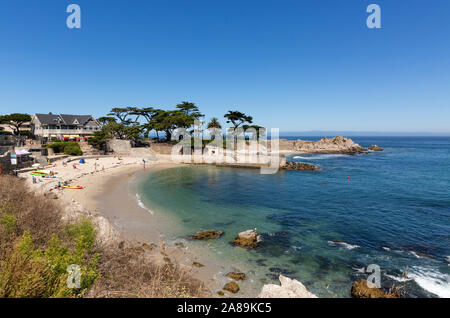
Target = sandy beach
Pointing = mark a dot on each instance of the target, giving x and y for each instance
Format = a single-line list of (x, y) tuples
[(107, 198)]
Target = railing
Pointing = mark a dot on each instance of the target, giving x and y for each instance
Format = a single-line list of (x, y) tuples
[(64, 131)]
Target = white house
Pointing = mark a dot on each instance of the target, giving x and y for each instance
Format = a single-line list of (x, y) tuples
[(65, 127)]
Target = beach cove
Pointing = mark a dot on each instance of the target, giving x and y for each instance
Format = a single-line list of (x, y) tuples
[(332, 229)]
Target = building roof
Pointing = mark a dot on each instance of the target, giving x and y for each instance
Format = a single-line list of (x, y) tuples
[(75, 119), (52, 119), (48, 119)]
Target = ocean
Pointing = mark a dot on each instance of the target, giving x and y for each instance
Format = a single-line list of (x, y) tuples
[(389, 208)]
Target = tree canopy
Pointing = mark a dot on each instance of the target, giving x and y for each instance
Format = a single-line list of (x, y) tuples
[(15, 121), (237, 118)]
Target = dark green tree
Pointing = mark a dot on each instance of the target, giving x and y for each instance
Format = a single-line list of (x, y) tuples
[(15, 121)]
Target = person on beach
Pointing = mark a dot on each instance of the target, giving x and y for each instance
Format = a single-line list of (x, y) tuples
[(143, 160), (74, 166)]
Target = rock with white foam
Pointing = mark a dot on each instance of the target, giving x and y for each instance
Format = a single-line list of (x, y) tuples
[(290, 288)]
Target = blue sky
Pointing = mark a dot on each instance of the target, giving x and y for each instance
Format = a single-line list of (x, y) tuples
[(296, 65)]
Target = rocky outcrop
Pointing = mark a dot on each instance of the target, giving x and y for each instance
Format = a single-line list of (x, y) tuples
[(247, 238), (232, 287), (325, 145), (290, 288), (236, 276), (207, 235), (375, 148), (290, 165), (365, 289)]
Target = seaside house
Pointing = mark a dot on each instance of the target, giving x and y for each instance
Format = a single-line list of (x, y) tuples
[(65, 127)]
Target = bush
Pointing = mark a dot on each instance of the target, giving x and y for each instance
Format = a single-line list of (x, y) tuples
[(71, 148), (9, 223), (36, 249)]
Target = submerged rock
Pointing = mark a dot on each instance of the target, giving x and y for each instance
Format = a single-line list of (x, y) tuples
[(232, 287), (290, 288), (207, 235), (236, 276), (299, 166), (197, 264), (247, 238), (365, 289), (375, 148)]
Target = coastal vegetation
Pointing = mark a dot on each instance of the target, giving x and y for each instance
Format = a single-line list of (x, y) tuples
[(137, 124), (70, 148), (38, 248), (15, 121)]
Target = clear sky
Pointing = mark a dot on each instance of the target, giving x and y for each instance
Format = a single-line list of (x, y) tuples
[(297, 65)]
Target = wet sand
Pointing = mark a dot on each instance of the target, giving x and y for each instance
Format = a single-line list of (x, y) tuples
[(109, 194)]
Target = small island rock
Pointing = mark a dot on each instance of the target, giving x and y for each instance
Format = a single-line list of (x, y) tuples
[(232, 287), (375, 148), (236, 276), (207, 235), (365, 289), (247, 238), (290, 165), (290, 288)]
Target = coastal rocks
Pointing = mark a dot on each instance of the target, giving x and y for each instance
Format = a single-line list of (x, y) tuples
[(231, 287), (375, 148), (197, 264), (290, 288), (337, 145), (207, 235), (247, 238), (236, 276), (299, 166), (365, 289)]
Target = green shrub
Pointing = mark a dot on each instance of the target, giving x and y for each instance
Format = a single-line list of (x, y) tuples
[(71, 148), (31, 272), (8, 223)]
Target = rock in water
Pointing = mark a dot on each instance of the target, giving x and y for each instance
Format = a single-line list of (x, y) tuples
[(247, 238), (365, 289), (207, 235), (299, 166), (232, 287), (236, 276), (375, 148), (197, 264), (290, 288)]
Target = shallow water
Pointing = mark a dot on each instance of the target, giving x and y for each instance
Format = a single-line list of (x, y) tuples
[(391, 208)]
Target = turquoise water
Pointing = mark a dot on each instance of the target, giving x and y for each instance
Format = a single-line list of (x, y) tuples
[(393, 211)]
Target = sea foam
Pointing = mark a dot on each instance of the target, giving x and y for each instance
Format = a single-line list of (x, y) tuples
[(321, 157), (141, 204), (431, 280)]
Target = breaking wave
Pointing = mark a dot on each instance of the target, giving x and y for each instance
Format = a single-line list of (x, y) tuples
[(431, 280), (321, 157), (344, 244), (141, 204)]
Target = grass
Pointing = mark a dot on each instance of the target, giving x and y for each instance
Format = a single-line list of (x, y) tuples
[(37, 250)]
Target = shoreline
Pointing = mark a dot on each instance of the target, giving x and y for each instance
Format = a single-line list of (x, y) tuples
[(107, 200)]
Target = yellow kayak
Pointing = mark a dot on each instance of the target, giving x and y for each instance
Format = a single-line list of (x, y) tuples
[(72, 187)]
